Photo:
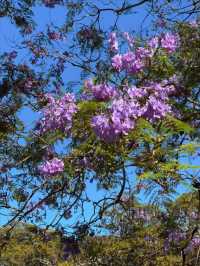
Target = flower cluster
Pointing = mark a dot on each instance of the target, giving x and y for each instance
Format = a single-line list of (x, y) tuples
[(101, 92), (119, 121), (127, 104), (58, 114), (104, 128), (150, 102), (51, 167), (169, 42), (124, 104), (193, 244), (156, 106), (133, 62), (153, 43), (175, 237)]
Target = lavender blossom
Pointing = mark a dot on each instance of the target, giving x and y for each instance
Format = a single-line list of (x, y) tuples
[(113, 43), (129, 39), (101, 92), (58, 114), (51, 167), (170, 42), (117, 62)]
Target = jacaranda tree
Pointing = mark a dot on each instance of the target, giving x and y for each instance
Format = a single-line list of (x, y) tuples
[(111, 151)]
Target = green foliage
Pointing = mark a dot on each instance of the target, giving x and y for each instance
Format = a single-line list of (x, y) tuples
[(162, 66), (27, 247), (142, 244)]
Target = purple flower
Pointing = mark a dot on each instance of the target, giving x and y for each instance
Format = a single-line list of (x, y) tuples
[(101, 92), (103, 128), (129, 39), (117, 62), (193, 244), (104, 92), (173, 239), (119, 120), (138, 93), (132, 63), (156, 104), (49, 98), (193, 215), (88, 84), (58, 114), (155, 109), (170, 42), (110, 128), (154, 43), (150, 102), (51, 167), (113, 43), (128, 58), (85, 162), (142, 53), (194, 24), (125, 108)]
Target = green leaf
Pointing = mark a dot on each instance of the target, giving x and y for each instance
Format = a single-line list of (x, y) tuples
[(189, 148), (176, 126)]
